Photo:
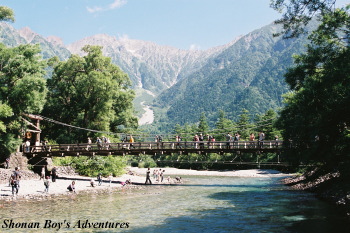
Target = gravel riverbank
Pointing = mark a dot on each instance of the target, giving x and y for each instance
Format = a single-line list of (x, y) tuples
[(32, 187)]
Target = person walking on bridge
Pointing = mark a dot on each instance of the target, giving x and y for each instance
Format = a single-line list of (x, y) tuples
[(261, 139), (228, 141), (99, 143), (251, 139), (131, 140)]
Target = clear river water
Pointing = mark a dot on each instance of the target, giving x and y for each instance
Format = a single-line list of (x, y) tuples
[(201, 204)]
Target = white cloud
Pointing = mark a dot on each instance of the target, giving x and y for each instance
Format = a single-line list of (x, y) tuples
[(114, 5), (117, 4), (93, 9)]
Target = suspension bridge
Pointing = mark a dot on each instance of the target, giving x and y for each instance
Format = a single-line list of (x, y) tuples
[(164, 148), (156, 149)]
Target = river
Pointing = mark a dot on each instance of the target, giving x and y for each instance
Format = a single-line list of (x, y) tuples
[(201, 204), (148, 116)]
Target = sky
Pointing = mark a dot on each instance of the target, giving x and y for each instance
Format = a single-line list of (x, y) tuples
[(184, 24)]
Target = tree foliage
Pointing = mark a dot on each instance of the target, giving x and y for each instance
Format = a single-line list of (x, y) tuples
[(22, 90), (92, 166), (203, 124), (222, 125), (89, 92), (317, 113), (298, 13), (6, 14), (244, 126)]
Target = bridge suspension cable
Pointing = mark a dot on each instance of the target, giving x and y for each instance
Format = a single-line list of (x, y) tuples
[(172, 135), (77, 127)]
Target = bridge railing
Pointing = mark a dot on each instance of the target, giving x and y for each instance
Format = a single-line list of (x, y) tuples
[(147, 146)]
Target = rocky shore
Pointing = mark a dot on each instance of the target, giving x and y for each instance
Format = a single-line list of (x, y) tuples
[(328, 183)]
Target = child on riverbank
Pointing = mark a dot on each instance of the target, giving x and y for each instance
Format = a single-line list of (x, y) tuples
[(110, 178), (46, 184), (71, 187)]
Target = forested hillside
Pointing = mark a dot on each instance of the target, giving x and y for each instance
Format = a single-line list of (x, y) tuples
[(248, 74)]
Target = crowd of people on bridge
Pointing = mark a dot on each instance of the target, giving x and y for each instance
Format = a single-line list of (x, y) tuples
[(200, 141)]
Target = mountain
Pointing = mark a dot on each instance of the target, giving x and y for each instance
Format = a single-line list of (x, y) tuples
[(245, 73), (12, 37), (150, 66), (248, 74)]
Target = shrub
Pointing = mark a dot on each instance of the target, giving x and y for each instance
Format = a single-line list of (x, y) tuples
[(142, 161), (92, 166)]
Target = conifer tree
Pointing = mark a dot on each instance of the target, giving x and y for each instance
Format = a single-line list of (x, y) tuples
[(203, 126)]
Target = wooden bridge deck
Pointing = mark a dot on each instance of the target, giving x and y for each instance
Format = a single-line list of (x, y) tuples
[(151, 148)]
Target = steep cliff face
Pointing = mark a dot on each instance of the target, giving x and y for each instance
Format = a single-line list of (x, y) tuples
[(27, 34), (150, 66), (12, 37)]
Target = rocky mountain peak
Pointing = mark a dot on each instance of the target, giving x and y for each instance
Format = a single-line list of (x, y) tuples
[(27, 34), (103, 40), (55, 40)]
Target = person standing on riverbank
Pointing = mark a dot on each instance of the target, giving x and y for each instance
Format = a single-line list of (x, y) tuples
[(14, 181), (7, 161), (54, 174), (110, 177), (162, 176), (154, 173), (42, 175), (148, 173), (99, 179)]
